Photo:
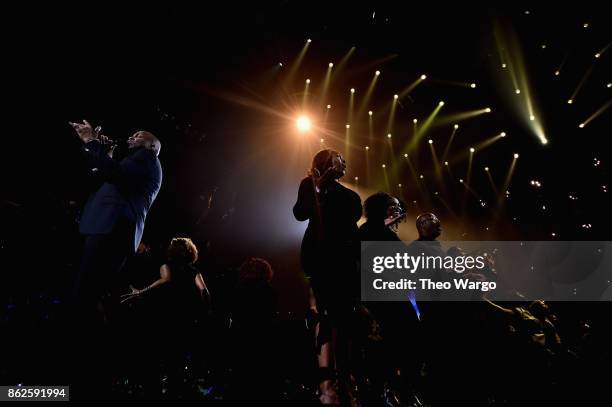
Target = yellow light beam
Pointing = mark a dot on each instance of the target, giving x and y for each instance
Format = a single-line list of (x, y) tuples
[(387, 184), (342, 64), (349, 118), (347, 143), (597, 113), (450, 142), (508, 44), (411, 87), (491, 140), (502, 194), (422, 130), (572, 98), (367, 161), (296, 64), (468, 178), (305, 98), (434, 157), (392, 114), (370, 127), (458, 117), (490, 178), (325, 85), (366, 98)]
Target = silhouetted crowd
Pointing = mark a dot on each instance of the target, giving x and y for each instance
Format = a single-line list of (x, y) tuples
[(179, 326)]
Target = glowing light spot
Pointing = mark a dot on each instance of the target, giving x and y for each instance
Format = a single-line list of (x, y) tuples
[(303, 124)]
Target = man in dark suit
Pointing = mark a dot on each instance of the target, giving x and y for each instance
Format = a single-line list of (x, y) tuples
[(112, 223), (114, 216)]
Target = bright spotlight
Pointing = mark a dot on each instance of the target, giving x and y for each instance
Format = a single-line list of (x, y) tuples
[(421, 176), (532, 117), (414, 121), (461, 180), (356, 178), (370, 113), (309, 40), (329, 106), (544, 141), (586, 25), (307, 80), (395, 96), (557, 73), (405, 155), (423, 77), (348, 126), (303, 124), (570, 101), (609, 85), (331, 64), (384, 166), (472, 149), (352, 90), (377, 73), (597, 55), (486, 169), (399, 185), (581, 125), (504, 66), (367, 148), (441, 103), (389, 135), (502, 134), (456, 126), (280, 64), (446, 163), (516, 155), (488, 110), (430, 141), (517, 91), (473, 85)]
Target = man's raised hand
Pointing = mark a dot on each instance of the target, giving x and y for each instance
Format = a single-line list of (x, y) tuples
[(85, 132)]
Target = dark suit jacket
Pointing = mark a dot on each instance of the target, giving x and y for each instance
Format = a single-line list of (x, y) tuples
[(130, 188)]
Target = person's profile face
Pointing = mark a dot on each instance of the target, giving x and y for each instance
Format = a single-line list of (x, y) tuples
[(394, 208), (137, 140), (338, 164)]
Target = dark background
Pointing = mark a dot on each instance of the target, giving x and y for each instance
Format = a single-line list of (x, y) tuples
[(202, 79)]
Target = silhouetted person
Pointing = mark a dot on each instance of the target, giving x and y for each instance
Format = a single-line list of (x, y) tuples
[(180, 301), (114, 216), (112, 223), (383, 212), (330, 253), (254, 340), (428, 226), (395, 357)]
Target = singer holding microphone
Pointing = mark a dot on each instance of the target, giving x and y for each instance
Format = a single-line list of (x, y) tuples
[(330, 255), (114, 215), (112, 223)]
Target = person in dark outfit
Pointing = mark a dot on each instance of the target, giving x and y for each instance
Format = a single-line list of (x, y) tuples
[(330, 253), (383, 213), (112, 223), (180, 301), (114, 216)]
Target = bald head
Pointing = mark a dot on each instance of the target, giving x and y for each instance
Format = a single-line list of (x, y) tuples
[(145, 140), (428, 226)]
